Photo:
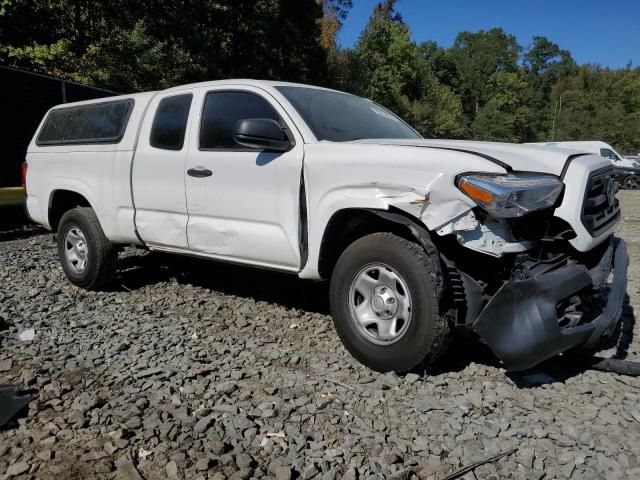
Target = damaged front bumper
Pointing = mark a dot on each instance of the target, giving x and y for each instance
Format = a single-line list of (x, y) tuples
[(521, 322)]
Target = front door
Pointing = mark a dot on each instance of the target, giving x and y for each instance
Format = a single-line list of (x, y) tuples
[(243, 203)]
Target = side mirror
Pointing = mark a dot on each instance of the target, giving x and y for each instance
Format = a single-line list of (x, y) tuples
[(262, 133)]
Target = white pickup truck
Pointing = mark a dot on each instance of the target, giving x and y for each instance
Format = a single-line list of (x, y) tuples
[(417, 237), (626, 169)]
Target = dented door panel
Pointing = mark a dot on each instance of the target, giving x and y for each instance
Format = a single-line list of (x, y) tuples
[(248, 209), (158, 190)]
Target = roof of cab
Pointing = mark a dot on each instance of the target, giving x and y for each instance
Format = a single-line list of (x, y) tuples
[(146, 96), (245, 82)]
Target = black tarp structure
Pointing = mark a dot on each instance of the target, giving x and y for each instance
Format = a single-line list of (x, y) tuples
[(24, 99), (12, 400)]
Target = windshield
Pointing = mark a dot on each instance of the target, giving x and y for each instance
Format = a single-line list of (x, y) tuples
[(340, 117), (610, 154)]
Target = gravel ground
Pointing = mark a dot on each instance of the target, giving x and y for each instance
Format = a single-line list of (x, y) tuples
[(199, 370)]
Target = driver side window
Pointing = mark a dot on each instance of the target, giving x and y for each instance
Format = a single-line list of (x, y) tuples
[(221, 112)]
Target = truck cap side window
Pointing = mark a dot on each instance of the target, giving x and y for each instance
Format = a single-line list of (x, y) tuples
[(222, 110), (103, 122), (170, 122)]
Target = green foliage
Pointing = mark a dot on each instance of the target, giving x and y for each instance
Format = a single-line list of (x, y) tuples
[(140, 58), (485, 86), (505, 115), (385, 57), (545, 64), (151, 44), (438, 114), (442, 63), (599, 104), (478, 56), (3, 6), (390, 70)]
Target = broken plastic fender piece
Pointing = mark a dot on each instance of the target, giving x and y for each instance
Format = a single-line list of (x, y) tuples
[(11, 402), (463, 222), (615, 365)]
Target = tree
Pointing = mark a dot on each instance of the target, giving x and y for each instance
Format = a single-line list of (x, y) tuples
[(505, 116), (545, 58), (484, 86), (157, 43), (599, 104), (390, 70), (334, 13), (545, 64), (478, 56), (442, 64), (438, 114), (385, 57)]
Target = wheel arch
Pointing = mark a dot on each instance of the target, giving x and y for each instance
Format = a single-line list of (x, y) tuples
[(349, 224), (61, 201)]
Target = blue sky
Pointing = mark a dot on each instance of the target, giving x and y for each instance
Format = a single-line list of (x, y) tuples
[(605, 31)]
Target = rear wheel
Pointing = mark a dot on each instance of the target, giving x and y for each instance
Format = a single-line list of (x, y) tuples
[(384, 304), (88, 258), (632, 182)]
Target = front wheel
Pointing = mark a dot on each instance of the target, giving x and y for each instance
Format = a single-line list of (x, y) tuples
[(384, 304), (88, 258), (632, 182)]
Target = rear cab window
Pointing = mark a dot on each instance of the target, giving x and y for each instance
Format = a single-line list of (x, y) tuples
[(103, 122), (170, 122)]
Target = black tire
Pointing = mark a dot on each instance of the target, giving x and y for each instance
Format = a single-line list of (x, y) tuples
[(427, 335), (632, 182), (101, 254)]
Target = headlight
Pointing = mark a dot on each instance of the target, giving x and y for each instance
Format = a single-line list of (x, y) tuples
[(513, 195)]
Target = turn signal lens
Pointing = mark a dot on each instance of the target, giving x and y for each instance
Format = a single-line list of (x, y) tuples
[(477, 193)]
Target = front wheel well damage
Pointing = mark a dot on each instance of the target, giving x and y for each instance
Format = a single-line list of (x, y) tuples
[(348, 225), (465, 279), (60, 202)]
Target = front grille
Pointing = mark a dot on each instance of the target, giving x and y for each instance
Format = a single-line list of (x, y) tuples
[(601, 208)]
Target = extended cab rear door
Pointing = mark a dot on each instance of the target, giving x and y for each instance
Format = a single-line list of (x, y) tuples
[(158, 173), (243, 203)]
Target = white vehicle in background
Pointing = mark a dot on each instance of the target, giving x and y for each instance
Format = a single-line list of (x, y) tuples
[(417, 237), (627, 169)]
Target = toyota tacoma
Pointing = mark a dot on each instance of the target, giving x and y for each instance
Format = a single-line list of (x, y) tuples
[(417, 237)]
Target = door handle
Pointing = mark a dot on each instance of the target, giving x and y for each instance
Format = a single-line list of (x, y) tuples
[(199, 172)]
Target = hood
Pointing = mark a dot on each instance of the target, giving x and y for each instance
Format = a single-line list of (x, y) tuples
[(531, 158), (627, 163)]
